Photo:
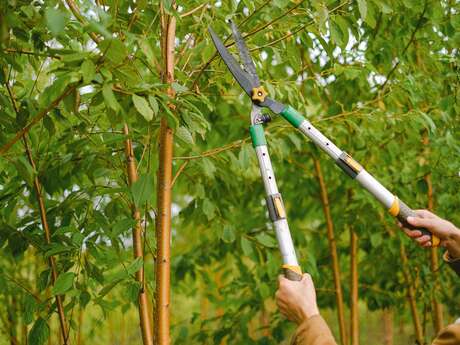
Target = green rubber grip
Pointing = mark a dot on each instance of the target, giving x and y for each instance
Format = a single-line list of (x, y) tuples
[(257, 135), (292, 116)]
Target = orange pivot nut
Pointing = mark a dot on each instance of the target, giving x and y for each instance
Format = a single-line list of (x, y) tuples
[(259, 94)]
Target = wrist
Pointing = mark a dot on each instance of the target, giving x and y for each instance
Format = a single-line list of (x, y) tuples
[(453, 243), (308, 312)]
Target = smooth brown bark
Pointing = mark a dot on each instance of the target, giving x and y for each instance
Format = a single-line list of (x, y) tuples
[(144, 310), (411, 295), (388, 327), (436, 306), (354, 306), (163, 236), (164, 186), (333, 252)]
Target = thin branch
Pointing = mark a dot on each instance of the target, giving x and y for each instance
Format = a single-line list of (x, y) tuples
[(262, 27), (5, 148), (215, 151), (183, 15), (253, 13), (179, 171), (76, 12), (26, 52), (411, 40), (302, 27), (144, 312), (22, 286), (44, 221)]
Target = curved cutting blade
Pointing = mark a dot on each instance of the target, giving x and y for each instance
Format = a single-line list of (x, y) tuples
[(243, 78), (244, 54), (247, 80)]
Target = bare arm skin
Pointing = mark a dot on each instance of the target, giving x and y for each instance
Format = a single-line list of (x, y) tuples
[(447, 232), (297, 299)]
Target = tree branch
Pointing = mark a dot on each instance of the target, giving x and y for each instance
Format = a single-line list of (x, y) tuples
[(5, 148)]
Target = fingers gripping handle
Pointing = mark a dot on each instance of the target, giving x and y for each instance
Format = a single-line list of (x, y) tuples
[(403, 213), (293, 273)]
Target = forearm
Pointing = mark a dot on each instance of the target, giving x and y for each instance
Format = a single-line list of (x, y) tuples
[(313, 331), (452, 243)]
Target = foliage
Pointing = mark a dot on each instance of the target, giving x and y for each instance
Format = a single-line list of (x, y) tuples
[(374, 76)]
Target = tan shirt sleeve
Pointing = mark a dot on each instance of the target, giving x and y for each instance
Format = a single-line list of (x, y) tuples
[(448, 336), (313, 331), (453, 263)]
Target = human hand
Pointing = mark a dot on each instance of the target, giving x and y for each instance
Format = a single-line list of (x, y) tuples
[(443, 229), (297, 299)]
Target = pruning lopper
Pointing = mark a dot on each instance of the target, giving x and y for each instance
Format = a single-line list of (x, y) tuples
[(249, 81)]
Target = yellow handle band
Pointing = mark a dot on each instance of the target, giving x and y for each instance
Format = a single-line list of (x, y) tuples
[(296, 269), (394, 209)]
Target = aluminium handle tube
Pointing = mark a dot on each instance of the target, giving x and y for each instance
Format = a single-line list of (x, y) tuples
[(275, 205), (391, 202)]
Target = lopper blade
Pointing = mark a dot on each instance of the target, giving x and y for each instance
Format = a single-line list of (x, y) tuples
[(243, 78), (248, 63), (248, 79)]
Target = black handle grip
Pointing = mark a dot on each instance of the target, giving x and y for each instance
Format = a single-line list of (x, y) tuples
[(405, 212), (291, 274)]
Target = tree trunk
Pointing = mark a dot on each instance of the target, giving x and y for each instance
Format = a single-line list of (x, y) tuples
[(436, 306), (354, 306), (333, 253), (163, 220), (144, 310), (411, 295), (387, 326)]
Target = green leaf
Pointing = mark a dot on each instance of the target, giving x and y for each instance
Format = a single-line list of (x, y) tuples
[(88, 70), (29, 307), (209, 209), (154, 104), (122, 225), (85, 297), (39, 333), (25, 170), (135, 266), (64, 283), (243, 156), (362, 7), (228, 233), (109, 97), (184, 134), (376, 239), (142, 106), (208, 167), (115, 51), (55, 20), (142, 190), (246, 246), (54, 90), (179, 88), (57, 248), (266, 240)]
